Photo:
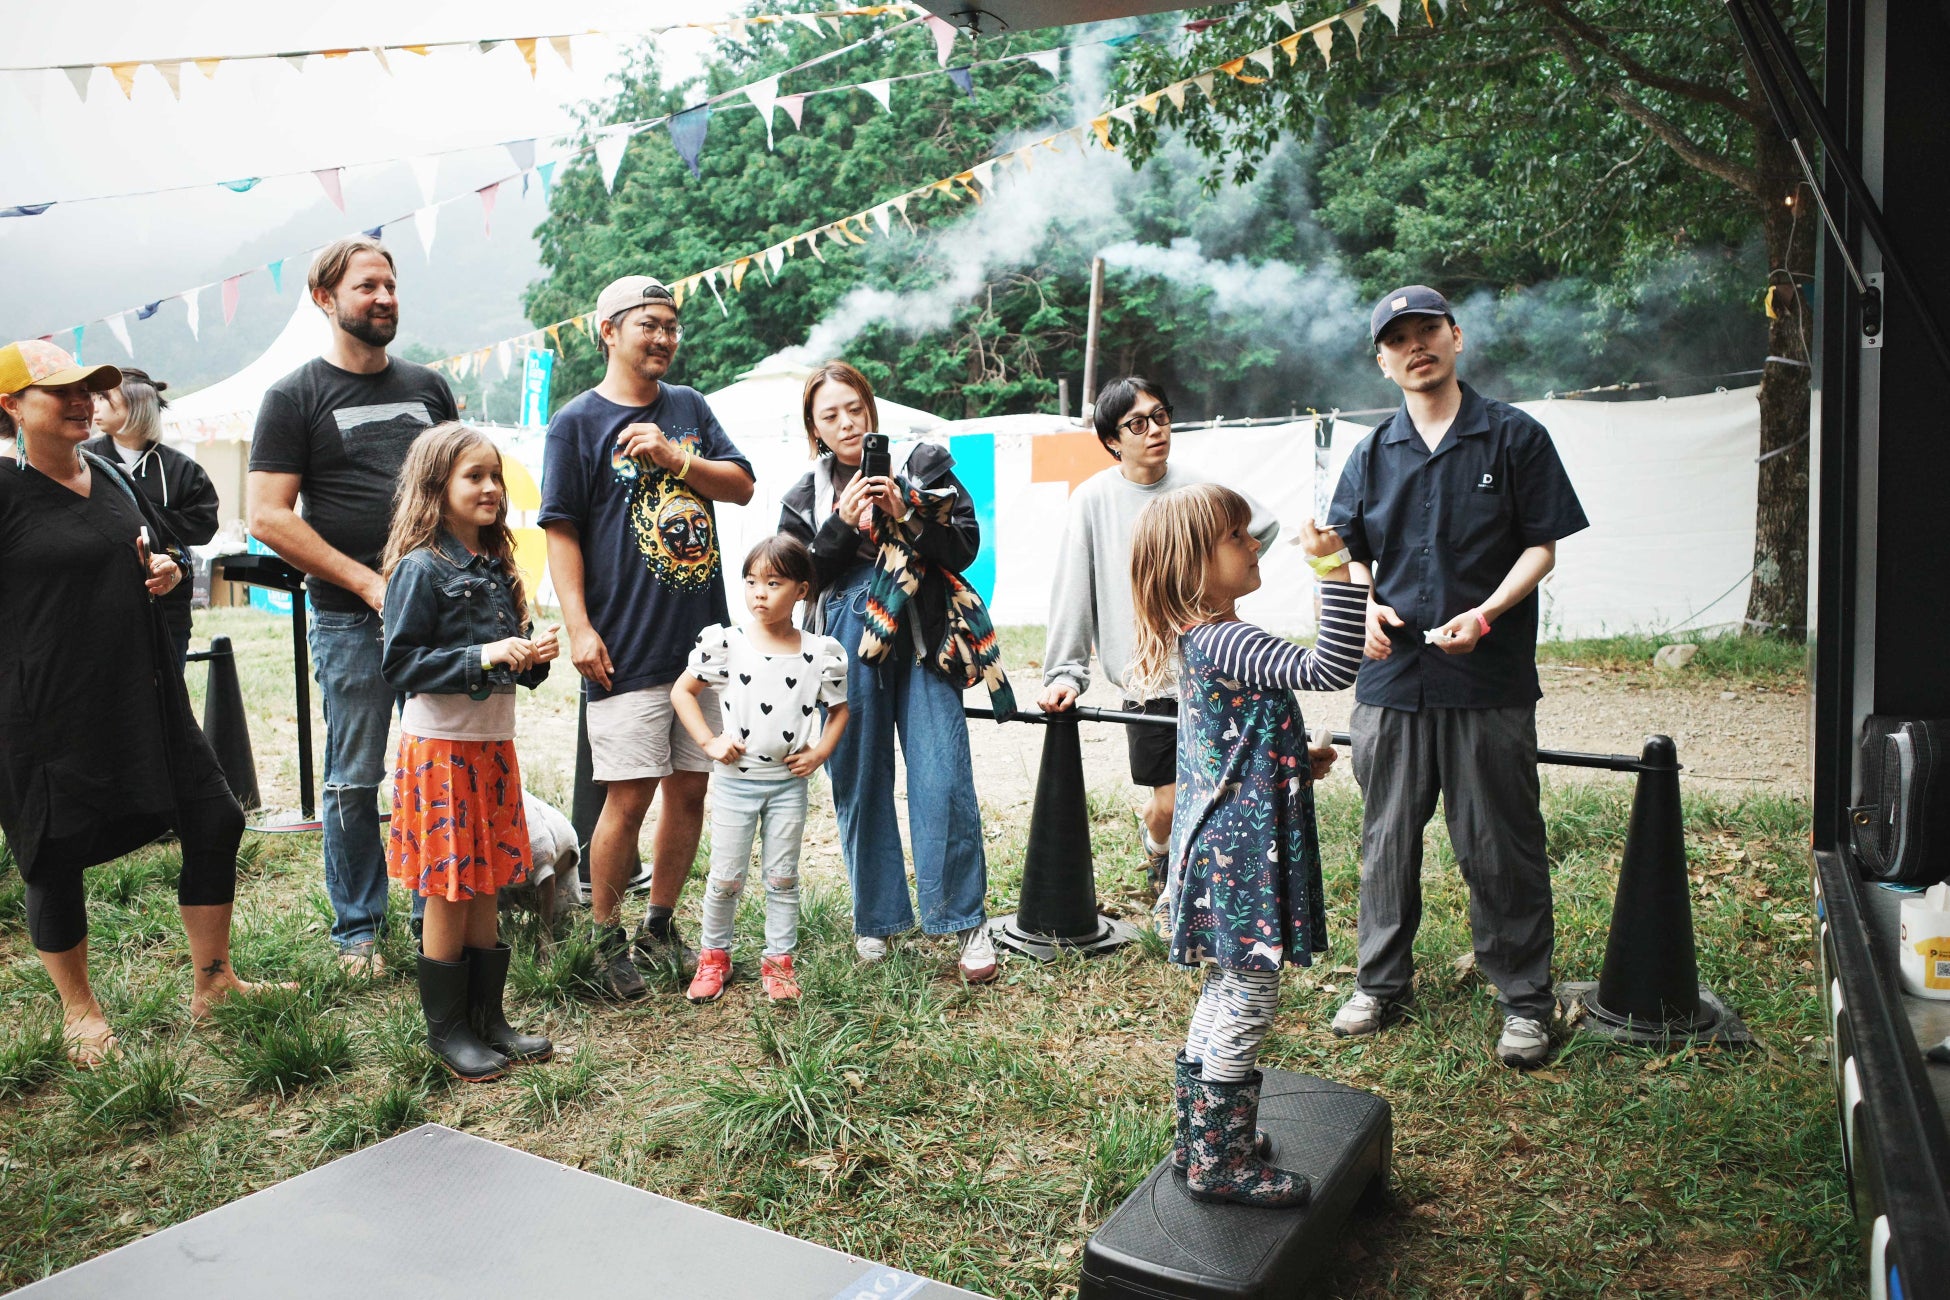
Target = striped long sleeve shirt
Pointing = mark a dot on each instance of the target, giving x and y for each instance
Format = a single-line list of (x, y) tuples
[(1257, 657)]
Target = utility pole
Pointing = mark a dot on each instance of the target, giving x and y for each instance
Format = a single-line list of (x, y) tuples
[(1090, 337)]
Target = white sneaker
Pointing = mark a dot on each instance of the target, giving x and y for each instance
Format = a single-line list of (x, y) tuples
[(1524, 1044), (978, 956), (1360, 1015), (870, 948)]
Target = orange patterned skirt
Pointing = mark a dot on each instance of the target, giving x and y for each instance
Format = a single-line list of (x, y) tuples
[(458, 827)]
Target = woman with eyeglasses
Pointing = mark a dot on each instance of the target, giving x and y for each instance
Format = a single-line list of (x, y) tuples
[(99, 751), (1090, 600)]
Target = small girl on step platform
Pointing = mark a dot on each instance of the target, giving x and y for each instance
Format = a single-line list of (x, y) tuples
[(773, 683), (458, 641), (1244, 875)]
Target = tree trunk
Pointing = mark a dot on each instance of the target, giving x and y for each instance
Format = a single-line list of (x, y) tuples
[(1778, 599)]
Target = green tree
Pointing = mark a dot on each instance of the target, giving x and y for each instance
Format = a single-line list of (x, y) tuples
[(1518, 139)]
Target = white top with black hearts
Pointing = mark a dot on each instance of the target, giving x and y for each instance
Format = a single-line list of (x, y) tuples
[(770, 702)]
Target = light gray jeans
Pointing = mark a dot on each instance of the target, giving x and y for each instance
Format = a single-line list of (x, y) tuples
[(742, 810), (1483, 763)]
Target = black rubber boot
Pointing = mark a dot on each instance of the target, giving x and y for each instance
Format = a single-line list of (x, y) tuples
[(1221, 1139), (487, 976), (443, 997)]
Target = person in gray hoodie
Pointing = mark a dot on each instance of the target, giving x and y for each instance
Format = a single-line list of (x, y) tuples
[(1090, 600)]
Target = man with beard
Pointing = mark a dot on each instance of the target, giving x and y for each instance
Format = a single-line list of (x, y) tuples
[(335, 431), (631, 471), (1456, 503)]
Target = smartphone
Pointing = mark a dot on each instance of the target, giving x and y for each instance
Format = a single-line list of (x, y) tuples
[(144, 548), (876, 461)]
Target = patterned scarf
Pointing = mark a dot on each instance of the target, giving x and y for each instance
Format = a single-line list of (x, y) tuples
[(970, 652)]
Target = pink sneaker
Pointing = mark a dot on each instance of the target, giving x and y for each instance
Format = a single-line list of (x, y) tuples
[(713, 973), (776, 977)]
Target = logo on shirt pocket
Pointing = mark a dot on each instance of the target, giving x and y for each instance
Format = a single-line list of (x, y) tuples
[(1487, 482)]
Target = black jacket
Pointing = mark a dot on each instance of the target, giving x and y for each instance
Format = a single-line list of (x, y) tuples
[(184, 499), (835, 544)]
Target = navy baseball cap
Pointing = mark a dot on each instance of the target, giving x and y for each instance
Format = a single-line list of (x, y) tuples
[(1415, 300)]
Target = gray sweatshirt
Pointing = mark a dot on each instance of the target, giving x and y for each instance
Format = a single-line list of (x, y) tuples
[(1090, 601)]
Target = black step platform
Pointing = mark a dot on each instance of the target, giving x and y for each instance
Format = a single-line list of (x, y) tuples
[(1163, 1245), (434, 1214)]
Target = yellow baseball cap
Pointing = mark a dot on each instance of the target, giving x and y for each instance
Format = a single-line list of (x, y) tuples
[(36, 363)]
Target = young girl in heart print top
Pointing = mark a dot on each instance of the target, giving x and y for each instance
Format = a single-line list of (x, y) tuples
[(773, 683)]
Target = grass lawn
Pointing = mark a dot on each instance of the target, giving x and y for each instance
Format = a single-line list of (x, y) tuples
[(974, 1135)]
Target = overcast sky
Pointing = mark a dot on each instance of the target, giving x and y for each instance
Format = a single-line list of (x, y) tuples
[(82, 259)]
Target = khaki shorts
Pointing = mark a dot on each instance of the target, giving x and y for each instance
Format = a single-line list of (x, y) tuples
[(636, 736)]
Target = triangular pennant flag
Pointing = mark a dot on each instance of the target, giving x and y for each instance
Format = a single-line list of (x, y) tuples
[(1101, 125), (1236, 69), (1264, 58), (125, 77), (335, 54), (555, 333), (711, 282), (1150, 103), (609, 156), (526, 44), (812, 246), (297, 61), (738, 29), (547, 172), (882, 219), (241, 185), (191, 313), (964, 78), (461, 364), (1176, 93), (26, 210), (764, 95), (420, 50), (687, 131), (485, 46), (208, 67), (1022, 156), (1125, 113), (775, 257), (118, 325), (1050, 61), (1356, 19), (505, 355), (379, 57), (231, 292), (1391, 10), (1204, 83), (172, 75), (1426, 14), (985, 173), (794, 106), (426, 171), (78, 77), (488, 193), (1324, 41), (424, 221), (523, 152), (328, 177), (1291, 44), (810, 21), (80, 331), (833, 233), (881, 90), (560, 44), (738, 269), (373, 232), (678, 292), (944, 37), (1285, 11), (277, 275), (147, 310)]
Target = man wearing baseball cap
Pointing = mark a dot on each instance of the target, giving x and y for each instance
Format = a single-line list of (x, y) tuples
[(1454, 504), (632, 470)]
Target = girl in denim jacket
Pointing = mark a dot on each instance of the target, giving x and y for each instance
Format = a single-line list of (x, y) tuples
[(457, 643)]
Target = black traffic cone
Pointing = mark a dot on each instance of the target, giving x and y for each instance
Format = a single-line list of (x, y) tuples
[(1058, 911), (1649, 991), (225, 726)]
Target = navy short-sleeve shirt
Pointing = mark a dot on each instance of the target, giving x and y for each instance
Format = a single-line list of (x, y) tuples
[(1441, 530), (652, 574)]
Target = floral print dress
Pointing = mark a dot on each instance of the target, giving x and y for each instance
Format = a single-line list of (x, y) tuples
[(1245, 875)]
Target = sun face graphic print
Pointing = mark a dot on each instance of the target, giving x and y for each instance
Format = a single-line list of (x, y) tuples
[(674, 532)]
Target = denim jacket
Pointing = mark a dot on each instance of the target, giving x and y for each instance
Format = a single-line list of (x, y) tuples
[(442, 605)]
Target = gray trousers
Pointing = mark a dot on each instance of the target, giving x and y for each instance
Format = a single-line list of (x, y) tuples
[(1483, 762)]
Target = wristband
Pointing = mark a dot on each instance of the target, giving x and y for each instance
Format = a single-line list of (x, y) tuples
[(487, 663), (1482, 623), (1323, 565), (685, 468)]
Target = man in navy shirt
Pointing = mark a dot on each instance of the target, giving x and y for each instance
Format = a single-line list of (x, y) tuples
[(630, 472), (1454, 504)]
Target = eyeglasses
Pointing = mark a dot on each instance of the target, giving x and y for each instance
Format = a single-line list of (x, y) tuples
[(653, 329), (1139, 425)]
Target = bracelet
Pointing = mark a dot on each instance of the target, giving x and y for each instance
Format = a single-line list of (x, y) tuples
[(1482, 623), (487, 664), (1322, 565), (685, 468)]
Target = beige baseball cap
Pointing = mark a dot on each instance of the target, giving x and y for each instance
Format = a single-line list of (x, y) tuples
[(631, 291)]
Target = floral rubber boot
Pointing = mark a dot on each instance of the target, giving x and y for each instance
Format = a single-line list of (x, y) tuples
[(1182, 1100), (1223, 1163)]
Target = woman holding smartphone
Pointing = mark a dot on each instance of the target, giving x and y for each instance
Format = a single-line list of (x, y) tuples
[(830, 510), (99, 752)]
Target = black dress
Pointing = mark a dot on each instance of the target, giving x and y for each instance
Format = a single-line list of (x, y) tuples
[(97, 747)]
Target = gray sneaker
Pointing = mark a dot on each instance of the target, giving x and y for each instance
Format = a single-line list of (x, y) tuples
[(1365, 1014), (618, 974), (1524, 1044), (665, 947)]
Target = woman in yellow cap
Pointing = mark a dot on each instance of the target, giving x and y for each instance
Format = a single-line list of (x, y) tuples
[(99, 752)]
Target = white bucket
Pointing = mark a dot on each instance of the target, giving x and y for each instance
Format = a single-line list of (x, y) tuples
[(1925, 944)]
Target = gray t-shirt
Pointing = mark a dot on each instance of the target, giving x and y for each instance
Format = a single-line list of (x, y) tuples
[(346, 436)]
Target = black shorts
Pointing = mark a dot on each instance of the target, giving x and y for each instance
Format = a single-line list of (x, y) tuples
[(1154, 750)]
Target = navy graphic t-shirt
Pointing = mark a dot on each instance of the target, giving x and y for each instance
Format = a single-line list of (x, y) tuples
[(346, 435), (652, 576)]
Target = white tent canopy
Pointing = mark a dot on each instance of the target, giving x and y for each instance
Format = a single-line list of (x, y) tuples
[(226, 411)]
